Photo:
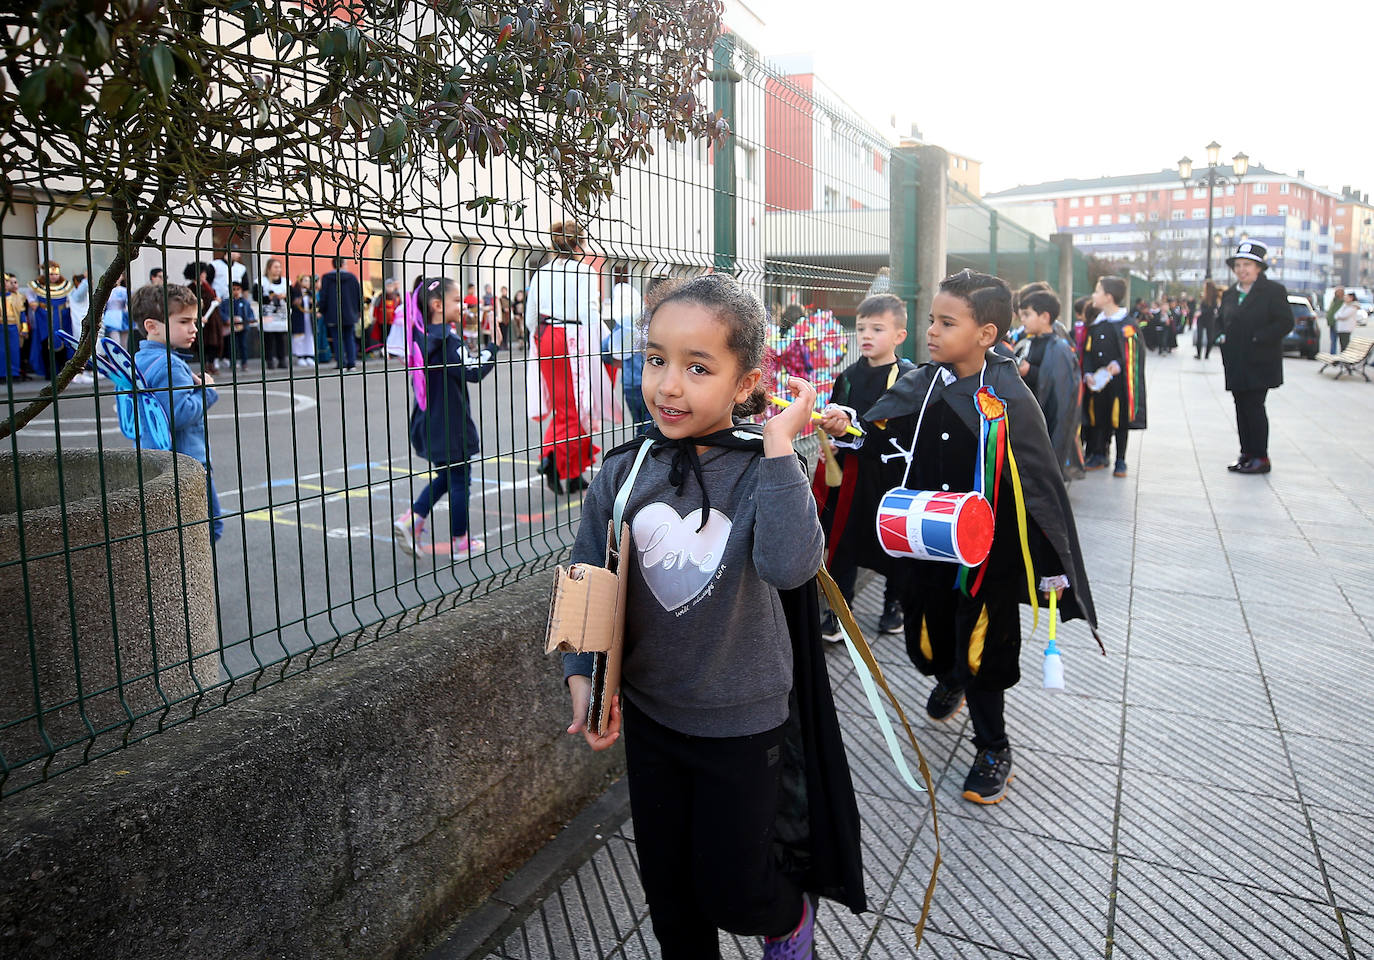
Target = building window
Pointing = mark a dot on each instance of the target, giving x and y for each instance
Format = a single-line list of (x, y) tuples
[(1176, 215), (1230, 189), (1073, 221), (1087, 201), (1139, 217), (744, 160), (1154, 216), (1340, 211), (1321, 248), (1229, 211), (1259, 210), (1216, 211), (1340, 228), (1283, 209), (1105, 219), (1284, 187), (1073, 202), (832, 199), (1123, 218), (1199, 213), (1106, 201), (1261, 188), (1199, 193), (1180, 193), (1124, 198), (1140, 198)]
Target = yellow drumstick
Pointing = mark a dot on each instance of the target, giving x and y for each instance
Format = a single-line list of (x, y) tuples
[(780, 402)]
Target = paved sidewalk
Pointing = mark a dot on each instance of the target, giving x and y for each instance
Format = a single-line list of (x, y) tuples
[(1203, 791)]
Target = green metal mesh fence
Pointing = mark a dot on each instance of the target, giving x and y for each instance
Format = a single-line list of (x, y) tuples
[(126, 616)]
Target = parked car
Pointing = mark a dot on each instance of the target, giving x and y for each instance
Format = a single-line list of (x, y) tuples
[(1305, 337)]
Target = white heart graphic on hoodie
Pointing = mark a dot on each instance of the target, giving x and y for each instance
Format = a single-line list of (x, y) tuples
[(678, 560)]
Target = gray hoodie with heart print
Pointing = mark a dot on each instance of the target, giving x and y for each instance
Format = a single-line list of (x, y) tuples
[(707, 652)]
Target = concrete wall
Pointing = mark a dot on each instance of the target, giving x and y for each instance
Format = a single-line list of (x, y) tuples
[(354, 811)]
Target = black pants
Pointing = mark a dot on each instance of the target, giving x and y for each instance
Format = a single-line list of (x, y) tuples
[(1344, 338), (704, 810), (985, 709), (1102, 408), (275, 349), (969, 642), (1252, 423)]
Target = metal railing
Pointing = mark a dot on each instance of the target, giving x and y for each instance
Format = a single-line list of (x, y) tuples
[(125, 618)]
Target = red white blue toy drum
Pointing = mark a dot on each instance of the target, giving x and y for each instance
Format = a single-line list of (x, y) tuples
[(936, 525)]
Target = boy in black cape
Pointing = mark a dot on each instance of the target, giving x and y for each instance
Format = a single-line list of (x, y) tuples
[(1049, 365), (847, 510), (963, 624), (1119, 406)]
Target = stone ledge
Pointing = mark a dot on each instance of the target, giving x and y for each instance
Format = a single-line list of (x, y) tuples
[(355, 811)]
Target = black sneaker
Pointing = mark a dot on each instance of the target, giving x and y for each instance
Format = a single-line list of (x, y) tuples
[(988, 778), (830, 627), (892, 620), (944, 701)]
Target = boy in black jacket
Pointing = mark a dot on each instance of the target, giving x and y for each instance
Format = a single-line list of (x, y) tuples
[(962, 624), (847, 511)]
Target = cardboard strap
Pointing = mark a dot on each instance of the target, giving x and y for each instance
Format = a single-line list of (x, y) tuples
[(870, 674)]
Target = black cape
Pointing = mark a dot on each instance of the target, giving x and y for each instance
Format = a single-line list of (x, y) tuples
[(1058, 390), (1046, 498), (816, 836), (1131, 381), (848, 511)]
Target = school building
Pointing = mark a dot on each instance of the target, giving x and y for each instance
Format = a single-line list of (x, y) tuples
[(1158, 225)]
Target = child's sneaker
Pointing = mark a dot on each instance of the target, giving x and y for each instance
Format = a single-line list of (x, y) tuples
[(799, 944), (408, 529), (830, 627), (465, 546), (892, 620), (988, 778), (944, 701)]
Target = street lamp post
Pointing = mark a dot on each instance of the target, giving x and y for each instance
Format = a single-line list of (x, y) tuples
[(1240, 163)]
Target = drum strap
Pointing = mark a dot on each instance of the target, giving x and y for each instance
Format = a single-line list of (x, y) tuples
[(871, 677)]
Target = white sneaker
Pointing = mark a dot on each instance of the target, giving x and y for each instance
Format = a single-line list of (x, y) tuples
[(466, 546), (408, 528), (83, 377)]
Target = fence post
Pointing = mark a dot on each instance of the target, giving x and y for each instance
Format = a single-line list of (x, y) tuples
[(920, 195), (1064, 243), (723, 80), (992, 242), (902, 228)]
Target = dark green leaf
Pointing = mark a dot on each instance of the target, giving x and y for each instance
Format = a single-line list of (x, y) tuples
[(114, 95), (159, 69), (33, 92)]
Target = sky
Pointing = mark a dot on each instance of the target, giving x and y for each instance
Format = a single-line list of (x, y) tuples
[(1057, 89)]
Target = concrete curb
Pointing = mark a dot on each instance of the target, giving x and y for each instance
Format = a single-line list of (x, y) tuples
[(482, 931)]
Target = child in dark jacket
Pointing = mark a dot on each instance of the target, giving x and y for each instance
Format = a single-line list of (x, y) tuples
[(241, 318), (442, 430)]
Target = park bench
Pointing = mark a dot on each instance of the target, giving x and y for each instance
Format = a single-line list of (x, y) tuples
[(1352, 358)]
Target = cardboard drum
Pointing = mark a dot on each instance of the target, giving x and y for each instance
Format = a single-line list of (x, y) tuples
[(936, 525)]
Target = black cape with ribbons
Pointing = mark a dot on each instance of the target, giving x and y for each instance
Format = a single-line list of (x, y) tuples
[(1046, 498), (817, 830)]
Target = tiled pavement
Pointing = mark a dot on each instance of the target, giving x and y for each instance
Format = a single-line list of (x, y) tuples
[(1203, 791)]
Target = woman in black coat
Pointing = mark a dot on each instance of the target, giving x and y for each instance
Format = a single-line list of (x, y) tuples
[(1253, 319)]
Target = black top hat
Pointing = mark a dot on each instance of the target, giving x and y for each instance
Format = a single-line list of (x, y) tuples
[(1249, 250)]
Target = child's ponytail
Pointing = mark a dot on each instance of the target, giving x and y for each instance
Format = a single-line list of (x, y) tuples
[(755, 403)]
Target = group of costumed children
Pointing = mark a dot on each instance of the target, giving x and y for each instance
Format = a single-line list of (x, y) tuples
[(743, 808)]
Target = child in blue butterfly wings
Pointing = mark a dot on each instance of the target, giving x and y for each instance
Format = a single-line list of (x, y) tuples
[(168, 317), (724, 540)]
